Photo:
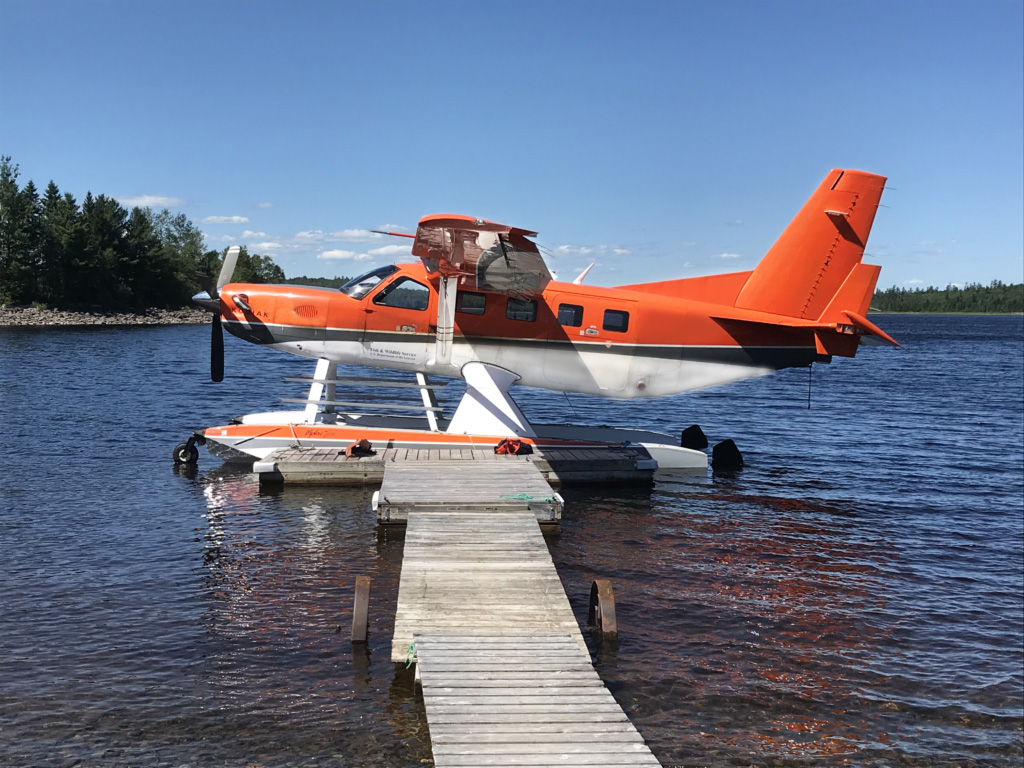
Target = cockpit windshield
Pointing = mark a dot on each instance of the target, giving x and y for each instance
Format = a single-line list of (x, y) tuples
[(358, 287)]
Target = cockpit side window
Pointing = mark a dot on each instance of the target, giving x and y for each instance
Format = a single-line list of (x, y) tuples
[(404, 293), (358, 287)]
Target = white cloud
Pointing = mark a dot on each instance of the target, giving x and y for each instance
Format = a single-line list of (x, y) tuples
[(728, 256), (265, 205), (734, 223), (344, 255), (577, 250), (150, 201), (620, 251), (311, 235), (225, 220), (250, 233), (913, 282), (390, 250), (267, 246)]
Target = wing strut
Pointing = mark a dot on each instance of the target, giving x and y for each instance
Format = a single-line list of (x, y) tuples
[(445, 320)]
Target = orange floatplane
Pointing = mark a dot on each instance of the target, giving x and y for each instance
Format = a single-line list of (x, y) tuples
[(481, 305)]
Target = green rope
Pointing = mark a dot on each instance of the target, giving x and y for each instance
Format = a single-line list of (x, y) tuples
[(410, 655), (525, 497)]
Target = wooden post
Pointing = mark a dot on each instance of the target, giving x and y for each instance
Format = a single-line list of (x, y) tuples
[(602, 607), (360, 609)]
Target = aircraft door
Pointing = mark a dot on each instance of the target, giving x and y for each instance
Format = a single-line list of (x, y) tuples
[(398, 323), (600, 335)]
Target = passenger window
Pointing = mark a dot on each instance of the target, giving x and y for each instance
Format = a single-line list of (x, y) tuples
[(470, 303), (570, 314), (404, 293), (521, 309), (617, 321)]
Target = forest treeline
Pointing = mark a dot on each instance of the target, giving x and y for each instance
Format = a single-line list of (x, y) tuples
[(101, 255), (996, 297)]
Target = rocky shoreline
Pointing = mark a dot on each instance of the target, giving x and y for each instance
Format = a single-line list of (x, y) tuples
[(30, 316)]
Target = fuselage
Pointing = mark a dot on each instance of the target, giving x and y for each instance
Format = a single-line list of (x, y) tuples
[(622, 342)]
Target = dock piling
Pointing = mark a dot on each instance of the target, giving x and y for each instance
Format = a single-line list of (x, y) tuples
[(360, 609), (602, 608)]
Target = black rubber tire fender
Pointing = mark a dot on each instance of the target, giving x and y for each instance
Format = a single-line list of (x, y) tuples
[(186, 453)]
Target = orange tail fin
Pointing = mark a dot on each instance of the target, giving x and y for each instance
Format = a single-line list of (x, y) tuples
[(814, 262)]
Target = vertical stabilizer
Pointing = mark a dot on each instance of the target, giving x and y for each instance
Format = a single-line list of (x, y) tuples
[(814, 256)]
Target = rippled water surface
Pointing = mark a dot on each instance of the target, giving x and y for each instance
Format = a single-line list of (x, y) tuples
[(854, 596)]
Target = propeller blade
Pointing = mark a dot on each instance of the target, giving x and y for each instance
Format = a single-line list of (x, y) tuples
[(228, 267), (207, 283), (216, 351)]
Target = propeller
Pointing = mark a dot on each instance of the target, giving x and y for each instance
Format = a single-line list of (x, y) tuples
[(209, 299), (216, 351)]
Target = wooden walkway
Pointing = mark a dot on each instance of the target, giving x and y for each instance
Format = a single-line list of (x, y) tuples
[(521, 701), (484, 572), (474, 480), (506, 675)]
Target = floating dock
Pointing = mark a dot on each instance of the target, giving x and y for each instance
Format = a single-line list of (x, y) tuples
[(330, 466), (505, 672), (479, 481)]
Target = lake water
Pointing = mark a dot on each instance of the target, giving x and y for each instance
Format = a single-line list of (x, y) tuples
[(854, 596)]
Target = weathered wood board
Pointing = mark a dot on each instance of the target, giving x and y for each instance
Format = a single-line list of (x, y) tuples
[(543, 704)]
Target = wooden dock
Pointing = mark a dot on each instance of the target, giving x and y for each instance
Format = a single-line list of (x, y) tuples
[(485, 572), (476, 480), (330, 466), (521, 701), (506, 674)]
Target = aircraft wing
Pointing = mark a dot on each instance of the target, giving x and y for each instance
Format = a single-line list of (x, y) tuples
[(483, 255)]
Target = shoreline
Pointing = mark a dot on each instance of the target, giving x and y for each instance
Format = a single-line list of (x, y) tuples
[(29, 317)]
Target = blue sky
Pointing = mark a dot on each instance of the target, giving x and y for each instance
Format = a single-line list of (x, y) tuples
[(659, 140)]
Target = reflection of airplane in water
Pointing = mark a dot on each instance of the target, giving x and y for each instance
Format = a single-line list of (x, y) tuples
[(482, 305)]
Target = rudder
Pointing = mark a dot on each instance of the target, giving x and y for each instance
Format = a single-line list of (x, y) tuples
[(812, 259)]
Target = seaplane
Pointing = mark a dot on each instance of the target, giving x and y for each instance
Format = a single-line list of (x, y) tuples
[(481, 305)]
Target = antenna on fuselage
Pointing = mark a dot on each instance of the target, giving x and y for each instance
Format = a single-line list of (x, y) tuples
[(579, 278)]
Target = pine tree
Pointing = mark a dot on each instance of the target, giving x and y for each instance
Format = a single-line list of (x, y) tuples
[(16, 236)]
